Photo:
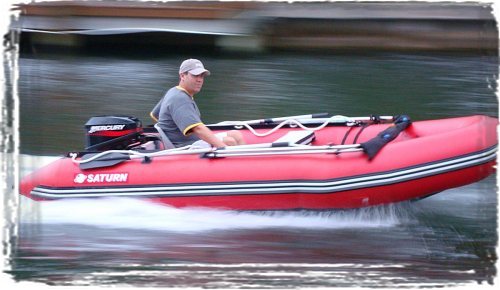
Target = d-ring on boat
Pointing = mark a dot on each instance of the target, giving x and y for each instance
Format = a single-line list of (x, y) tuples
[(298, 162)]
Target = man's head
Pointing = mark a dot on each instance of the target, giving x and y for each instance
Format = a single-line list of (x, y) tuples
[(194, 67), (192, 75)]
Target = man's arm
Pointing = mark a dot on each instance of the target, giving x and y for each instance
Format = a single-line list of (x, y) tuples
[(205, 134), (155, 113)]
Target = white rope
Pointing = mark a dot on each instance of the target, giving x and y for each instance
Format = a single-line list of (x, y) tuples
[(347, 120), (185, 149)]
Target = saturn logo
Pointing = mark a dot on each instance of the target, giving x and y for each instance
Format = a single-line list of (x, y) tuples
[(80, 178), (101, 178)]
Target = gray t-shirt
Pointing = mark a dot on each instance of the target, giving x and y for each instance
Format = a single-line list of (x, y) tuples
[(177, 114)]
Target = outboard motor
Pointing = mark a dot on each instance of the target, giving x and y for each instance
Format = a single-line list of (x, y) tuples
[(112, 132)]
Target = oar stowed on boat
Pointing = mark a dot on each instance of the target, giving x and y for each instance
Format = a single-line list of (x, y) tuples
[(303, 165), (371, 147)]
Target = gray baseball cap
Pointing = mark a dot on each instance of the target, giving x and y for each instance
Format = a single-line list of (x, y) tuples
[(193, 66)]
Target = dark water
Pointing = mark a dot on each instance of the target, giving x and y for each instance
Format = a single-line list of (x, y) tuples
[(446, 240)]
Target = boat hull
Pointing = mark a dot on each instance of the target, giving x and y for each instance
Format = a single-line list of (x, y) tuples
[(428, 157)]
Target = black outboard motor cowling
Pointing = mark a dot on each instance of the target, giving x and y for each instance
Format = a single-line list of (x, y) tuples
[(111, 132)]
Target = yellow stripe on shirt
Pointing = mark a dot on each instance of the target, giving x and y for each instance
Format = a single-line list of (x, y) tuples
[(188, 128), (184, 90), (153, 117)]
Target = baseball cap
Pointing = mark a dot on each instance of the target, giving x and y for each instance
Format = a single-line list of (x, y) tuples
[(193, 66)]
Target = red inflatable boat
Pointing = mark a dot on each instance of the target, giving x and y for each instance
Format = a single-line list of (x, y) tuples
[(300, 162)]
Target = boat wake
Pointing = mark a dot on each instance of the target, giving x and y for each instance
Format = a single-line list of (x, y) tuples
[(138, 214)]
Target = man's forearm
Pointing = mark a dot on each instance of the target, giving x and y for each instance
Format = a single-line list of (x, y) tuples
[(205, 134)]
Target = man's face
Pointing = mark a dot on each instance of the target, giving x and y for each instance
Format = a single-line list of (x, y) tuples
[(192, 83)]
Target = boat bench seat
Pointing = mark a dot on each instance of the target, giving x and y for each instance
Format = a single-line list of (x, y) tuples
[(167, 144), (302, 137)]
